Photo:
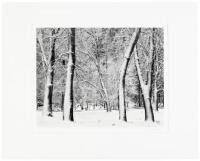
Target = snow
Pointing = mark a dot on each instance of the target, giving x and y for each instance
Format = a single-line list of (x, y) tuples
[(135, 117)]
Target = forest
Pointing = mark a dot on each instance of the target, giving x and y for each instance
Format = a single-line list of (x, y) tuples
[(100, 75)]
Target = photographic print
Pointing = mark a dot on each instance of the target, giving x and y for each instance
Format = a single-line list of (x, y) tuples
[(82, 80), (100, 76)]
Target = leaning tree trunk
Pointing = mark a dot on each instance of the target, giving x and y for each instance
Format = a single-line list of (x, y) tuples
[(68, 102), (146, 87), (48, 95), (107, 105), (133, 42), (106, 98), (149, 116)]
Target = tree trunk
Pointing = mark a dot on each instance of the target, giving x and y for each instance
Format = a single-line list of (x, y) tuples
[(122, 108), (146, 88), (126, 105), (139, 96), (105, 105), (106, 98), (68, 103), (86, 106), (155, 99), (82, 106), (149, 116), (154, 74), (62, 104), (47, 109), (62, 101), (48, 96), (118, 101)]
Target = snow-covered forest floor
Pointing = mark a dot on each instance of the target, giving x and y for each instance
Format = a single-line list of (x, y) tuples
[(98, 118)]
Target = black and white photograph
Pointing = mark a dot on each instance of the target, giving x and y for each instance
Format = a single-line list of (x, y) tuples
[(111, 80), (100, 76)]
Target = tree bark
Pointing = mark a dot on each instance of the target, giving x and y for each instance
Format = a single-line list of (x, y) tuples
[(146, 95), (149, 116), (62, 100), (48, 95), (133, 42), (146, 87), (154, 73), (69, 98), (62, 103), (155, 99), (118, 101), (47, 108)]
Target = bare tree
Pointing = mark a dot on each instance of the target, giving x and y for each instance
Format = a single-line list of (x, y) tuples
[(146, 86), (48, 64), (129, 51), (69, 98), (158, 66), (95, 56)]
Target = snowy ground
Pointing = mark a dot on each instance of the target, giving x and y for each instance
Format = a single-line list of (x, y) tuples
[(97, 118)]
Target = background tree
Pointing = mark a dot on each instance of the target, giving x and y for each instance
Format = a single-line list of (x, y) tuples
[(93, 48), (158, 75)]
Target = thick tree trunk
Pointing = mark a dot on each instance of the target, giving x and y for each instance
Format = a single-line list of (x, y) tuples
[(149, 116), (146, 88), (47, 108), (68, 103), (48, 96), (122, 108)]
